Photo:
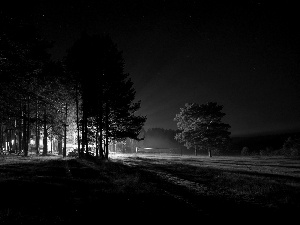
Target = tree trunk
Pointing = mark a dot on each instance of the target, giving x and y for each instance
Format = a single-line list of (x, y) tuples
[(20, 137), (97, 131), (59, 145), (51, 144), (15, 136), (209, 152), (107, 130), (25, 145), (84, 127), (37, 131), (86, 135), (28, 126), (65, 134), (54, 144), (65, 142), (20, 129), (77, 121), (100, 130), (82, 137), (1, 137), (37, 140), (10, 138), (101, 140), (97, 127), (45, 146)]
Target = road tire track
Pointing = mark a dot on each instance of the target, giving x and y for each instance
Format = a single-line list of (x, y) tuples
[(190, 186)]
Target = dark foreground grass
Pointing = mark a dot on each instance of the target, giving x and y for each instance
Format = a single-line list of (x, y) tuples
[(59, 191), (80, 191)]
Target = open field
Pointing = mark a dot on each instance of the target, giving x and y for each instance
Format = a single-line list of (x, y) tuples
[(145, 187)]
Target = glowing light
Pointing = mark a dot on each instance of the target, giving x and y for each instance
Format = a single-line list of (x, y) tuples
[(32, 141), (148, 148), (71, 145), (12, 142)]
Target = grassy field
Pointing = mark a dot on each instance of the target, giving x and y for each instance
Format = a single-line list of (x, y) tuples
[(148, 188)]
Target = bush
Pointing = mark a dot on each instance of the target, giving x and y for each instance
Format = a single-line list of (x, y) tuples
[(73, 153), (295, 152), (216, 151), (277, 152), (267, 151), (286, 151), (245, 151), (263, 152), (291, 147)]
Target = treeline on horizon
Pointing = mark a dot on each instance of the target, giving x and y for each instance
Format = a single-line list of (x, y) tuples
[(164, 138), (258, 142)]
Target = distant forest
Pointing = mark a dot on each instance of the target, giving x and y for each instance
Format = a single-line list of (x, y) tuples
[(164, 138), (258, 142)]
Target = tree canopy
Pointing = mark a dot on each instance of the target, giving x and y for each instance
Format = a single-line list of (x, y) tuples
[(88, 90), (200, 126), (23, 54), (108, 108)]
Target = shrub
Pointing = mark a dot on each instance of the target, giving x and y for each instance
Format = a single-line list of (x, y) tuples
[(245, 151), (263, 152), (291, 147), (295, 152), (267, 151), (277, 152), (216, 151), (72, 154)]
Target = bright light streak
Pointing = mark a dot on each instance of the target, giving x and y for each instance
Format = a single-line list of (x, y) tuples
[(148, 148)]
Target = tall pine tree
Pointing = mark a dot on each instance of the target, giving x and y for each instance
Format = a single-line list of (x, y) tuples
[(107, 93)]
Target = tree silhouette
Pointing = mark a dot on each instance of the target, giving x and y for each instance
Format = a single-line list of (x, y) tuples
[(97, 70), (201, 126), (22, 55), (33, 89)]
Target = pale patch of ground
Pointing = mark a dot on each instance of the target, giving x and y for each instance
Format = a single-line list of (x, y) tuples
[(275, 165)]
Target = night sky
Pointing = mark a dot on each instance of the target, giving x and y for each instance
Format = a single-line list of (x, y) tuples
[(241, 54)]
